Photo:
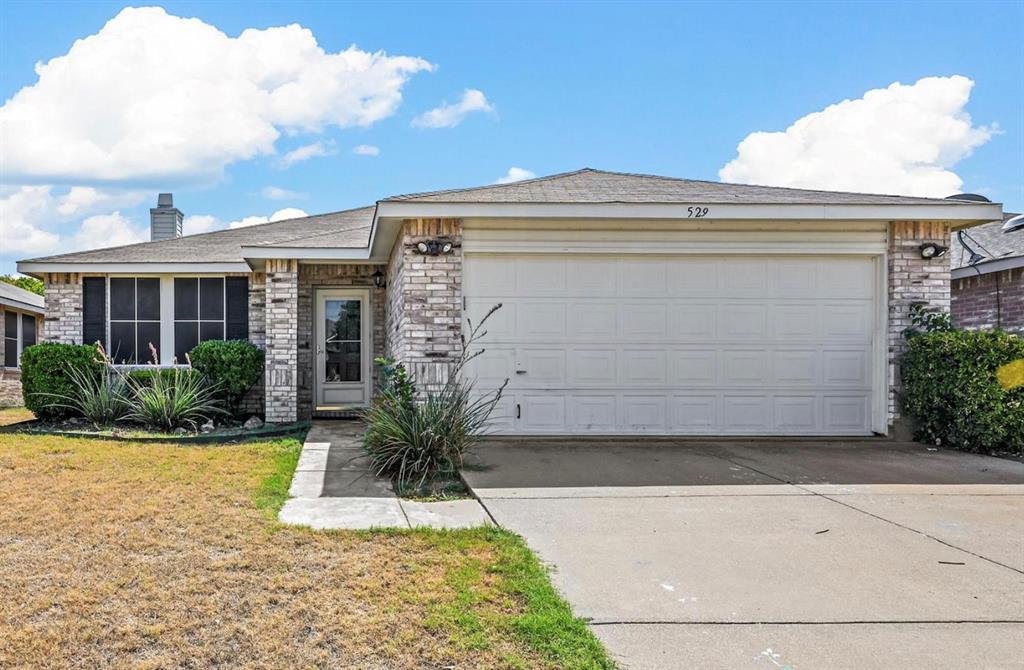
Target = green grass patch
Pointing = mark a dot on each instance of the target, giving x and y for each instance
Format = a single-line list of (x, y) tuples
[(272, 491)]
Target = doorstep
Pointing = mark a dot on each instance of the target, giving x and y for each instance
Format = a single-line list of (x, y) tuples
[(334, 488)]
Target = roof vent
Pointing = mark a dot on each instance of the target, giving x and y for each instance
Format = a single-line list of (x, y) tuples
[(970, 197), (165, 219)]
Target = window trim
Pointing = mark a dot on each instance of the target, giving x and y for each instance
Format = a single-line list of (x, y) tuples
[(136, 320), (199, 320)]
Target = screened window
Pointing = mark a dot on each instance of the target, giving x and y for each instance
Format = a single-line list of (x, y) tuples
[(11, 339), (134, 319)]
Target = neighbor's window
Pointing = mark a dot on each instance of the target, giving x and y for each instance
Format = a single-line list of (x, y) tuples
[(11, 339), (134, 318)]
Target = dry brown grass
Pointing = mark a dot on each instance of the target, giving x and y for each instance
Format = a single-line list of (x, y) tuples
[(156, 556), (9, 415)]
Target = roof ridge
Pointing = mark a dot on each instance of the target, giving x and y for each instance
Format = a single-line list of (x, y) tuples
[(531, 180)]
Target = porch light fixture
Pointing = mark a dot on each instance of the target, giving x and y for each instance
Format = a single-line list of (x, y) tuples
[(378, 278), (932, 250)]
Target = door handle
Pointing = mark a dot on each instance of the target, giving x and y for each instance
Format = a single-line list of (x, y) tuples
[(520, 372), (519, 413)]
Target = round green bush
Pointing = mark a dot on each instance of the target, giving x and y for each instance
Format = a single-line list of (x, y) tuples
[(951, 390), (45, 377), (232, 367)]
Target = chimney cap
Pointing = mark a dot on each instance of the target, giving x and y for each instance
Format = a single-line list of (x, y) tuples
[(165, 200)]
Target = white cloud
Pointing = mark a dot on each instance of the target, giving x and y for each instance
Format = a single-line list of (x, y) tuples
[(199, 223), (155, 96), (107, 230), (449, 116), (275, 193), (30, 216), (279, 215), (902, 140), (515, 174), (307, 151), (366, 150)]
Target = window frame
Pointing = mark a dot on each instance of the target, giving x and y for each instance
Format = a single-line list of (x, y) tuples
[(159, 321), (167, 320), (199, 320), (19, 337)]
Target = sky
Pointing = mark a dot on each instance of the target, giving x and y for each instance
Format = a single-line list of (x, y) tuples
[(251, 111)]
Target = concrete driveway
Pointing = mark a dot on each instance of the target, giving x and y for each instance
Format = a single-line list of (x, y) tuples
[(775, 554)]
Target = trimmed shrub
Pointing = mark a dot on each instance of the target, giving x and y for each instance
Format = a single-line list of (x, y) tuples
[(46, 376), (232, 367), (102, 399), (951, 390)]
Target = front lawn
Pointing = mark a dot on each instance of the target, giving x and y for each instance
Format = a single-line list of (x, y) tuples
[(117, 554)]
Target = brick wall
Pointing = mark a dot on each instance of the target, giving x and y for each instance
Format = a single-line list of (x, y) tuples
[(282, 291), (254, 400), (63, 320), (992, 300), (312, 277), (425, 301), (912, 279)]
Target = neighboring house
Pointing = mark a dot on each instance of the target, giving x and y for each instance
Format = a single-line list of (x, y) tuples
[(990, 292), (21, 320), (630, 303)]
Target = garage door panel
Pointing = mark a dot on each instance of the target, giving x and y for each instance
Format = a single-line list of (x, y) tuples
[(693, 367), (796, 367), (746, 413), (593, 413), (708, 345), (743, 322), (693, 322), (796, 414), (539, 275), (643, 367), (693, 413), (644, 320), (540, 321), (644, 413), (790, 322)]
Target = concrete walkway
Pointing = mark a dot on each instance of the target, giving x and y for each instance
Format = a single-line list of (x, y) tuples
[(740, 554), (333, 487)]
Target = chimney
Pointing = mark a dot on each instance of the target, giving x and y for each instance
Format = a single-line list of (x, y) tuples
[(164, 219)]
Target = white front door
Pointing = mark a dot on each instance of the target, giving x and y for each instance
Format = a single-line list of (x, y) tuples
[(343, 348)]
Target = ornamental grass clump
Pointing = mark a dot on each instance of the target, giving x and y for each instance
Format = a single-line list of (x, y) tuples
[(413, 437), (178, 399), (101, 398)]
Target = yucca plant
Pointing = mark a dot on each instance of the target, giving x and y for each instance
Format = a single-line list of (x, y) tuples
[(413, 441), (101, 399), (178, 398)]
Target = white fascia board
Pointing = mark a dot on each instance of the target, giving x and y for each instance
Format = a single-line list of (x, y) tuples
[(21, 306), (41, 267), (958, 212), (997, 265)]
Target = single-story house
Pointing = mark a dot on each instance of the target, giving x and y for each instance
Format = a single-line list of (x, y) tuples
[(630, 303), (21, 320), (988, 277)]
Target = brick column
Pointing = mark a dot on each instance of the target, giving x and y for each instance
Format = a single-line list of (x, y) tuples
[(282, 293), (425, 301), (912, 279), (63, 320)]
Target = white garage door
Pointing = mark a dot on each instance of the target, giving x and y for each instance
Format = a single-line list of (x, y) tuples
[(677, 345)]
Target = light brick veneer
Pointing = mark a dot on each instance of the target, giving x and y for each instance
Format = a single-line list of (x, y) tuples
[(312, 277), (912, 279), (425, 301), (282, 293), (63, 320)]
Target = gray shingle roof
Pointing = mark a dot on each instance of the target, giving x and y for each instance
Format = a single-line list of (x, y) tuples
[(989, 240), (598, 186), (10, 294), (349, 228)]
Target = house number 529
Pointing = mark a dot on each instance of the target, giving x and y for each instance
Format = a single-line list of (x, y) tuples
[(696, 212)]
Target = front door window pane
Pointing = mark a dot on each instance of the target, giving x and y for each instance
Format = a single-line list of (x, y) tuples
[(342, 340)]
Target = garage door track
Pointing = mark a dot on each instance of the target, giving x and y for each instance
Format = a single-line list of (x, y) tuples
[(795, 554)]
